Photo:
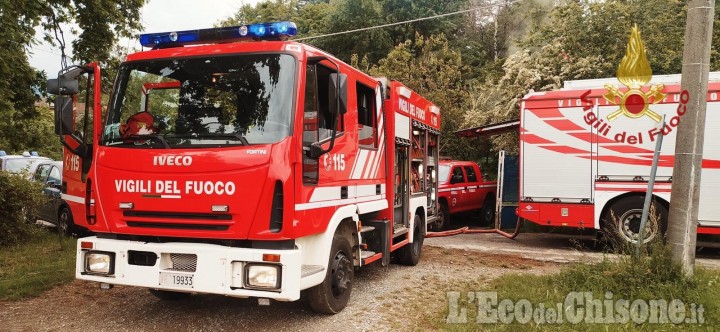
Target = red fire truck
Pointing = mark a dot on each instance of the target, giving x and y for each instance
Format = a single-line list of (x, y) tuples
[(232, 161)]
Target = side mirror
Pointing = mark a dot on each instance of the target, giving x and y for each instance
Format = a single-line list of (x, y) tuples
[(62, 86), (315, 151), (63, 115), (337, 84)]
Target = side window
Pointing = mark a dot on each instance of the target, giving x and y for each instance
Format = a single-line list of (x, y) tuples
[(471, 177), (322, 102), (367, 128), (54, 175), (317, 119), (457, 175), (41, 173)]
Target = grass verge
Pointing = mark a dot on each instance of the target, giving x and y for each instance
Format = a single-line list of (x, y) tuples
[(42, 262), (651, 277)]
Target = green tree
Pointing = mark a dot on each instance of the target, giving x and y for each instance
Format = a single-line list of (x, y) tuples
[(579, 40), (266, 11), (431, 68), (355, 14), (100, 23)]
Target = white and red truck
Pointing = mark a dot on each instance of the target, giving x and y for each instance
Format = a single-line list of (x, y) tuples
[(234, 161), (586, 152)]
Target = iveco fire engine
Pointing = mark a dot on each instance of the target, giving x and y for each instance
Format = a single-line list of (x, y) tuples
[(233, 161)]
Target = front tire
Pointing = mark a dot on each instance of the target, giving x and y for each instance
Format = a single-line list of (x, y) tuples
[(443, 218), (333, 294), (410, 253)]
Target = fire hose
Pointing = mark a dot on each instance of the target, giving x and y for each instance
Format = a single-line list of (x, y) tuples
[(467, 230)]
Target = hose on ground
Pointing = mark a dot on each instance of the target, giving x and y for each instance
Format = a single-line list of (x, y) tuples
[(467, 230)]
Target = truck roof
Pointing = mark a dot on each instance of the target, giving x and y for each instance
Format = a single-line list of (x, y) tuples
[(599, 83), (456, 162)]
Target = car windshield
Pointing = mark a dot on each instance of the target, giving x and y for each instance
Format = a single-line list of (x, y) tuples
[(19, 165), (444, 172), (202, 101)]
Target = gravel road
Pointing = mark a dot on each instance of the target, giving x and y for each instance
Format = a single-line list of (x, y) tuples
[(381, 299), (384, 298)]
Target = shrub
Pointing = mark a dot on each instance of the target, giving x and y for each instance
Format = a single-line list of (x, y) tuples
[(19, 200)]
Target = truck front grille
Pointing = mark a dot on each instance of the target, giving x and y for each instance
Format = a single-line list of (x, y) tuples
[(201, 227), (183, 262), (177, 215)]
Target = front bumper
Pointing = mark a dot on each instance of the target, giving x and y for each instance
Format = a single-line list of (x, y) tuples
[(218, 270)]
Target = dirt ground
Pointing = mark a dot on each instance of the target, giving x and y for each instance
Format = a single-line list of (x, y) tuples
[(383, 298), (377, 292)]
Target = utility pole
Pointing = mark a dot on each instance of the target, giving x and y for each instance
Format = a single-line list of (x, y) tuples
[(685, 196)]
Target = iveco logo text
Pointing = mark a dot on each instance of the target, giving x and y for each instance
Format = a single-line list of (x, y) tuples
[(172, 160), (256, 151)]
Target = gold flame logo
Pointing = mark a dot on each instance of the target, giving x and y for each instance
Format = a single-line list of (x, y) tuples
[(634, 72)]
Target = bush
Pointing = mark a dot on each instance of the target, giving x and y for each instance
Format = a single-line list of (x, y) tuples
[(19, 200)]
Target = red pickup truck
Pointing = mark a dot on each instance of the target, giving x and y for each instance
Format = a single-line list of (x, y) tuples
[(463, 188)]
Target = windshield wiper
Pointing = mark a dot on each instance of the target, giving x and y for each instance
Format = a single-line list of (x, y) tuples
[(159, 137), (241, 138)]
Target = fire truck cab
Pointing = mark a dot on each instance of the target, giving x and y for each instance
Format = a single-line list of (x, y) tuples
[(232, 161)]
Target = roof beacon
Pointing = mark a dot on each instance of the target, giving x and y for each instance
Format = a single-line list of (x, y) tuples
[(259, 31)]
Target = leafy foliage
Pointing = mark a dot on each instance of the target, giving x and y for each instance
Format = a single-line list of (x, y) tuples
[(19, 199), (99, 24)]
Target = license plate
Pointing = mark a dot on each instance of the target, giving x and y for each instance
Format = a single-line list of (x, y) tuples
[(183, 280)]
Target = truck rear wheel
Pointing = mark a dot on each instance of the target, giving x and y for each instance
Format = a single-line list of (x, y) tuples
[(65, 224), (622, 221), (333, 294), (410, 253), (487, 212), (169, 295)]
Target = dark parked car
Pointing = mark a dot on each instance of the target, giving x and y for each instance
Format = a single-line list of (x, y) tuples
[(55, 210)]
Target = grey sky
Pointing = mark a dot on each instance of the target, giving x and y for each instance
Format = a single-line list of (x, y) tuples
[(157, 16)]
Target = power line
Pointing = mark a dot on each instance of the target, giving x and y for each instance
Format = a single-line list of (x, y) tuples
[(409, 21)]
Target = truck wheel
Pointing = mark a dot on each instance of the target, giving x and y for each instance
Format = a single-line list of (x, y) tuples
[(622, 221), (332, 295), (443, 218), (488, 212), (65, 225), (410, 253), (169, 295)]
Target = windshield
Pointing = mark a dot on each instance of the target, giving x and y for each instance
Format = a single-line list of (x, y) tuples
[(444, 172), (19, 165), (202, 101)]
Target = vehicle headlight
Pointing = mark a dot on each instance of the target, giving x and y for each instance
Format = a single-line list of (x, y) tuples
[(100, 262), (263, 276)]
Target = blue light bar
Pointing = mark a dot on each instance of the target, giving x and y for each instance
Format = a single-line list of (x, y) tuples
[(259, 31), (2, 153), (34, 153)]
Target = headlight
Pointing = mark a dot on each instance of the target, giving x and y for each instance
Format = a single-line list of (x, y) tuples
[(100, 262), (262, 276)]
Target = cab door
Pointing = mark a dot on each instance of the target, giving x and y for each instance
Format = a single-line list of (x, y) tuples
[(41, 176), (78, 113), (474, 195), (458, 189)]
